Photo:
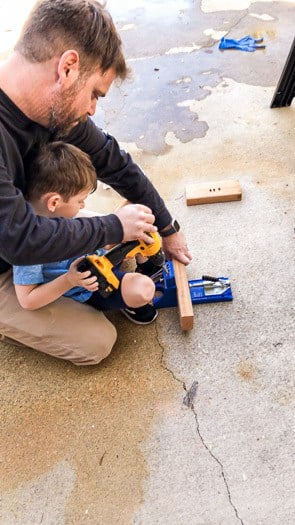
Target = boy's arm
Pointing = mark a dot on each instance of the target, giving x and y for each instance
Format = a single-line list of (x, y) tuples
[(34, 296)]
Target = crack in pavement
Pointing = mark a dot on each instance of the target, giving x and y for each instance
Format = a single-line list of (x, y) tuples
[(162, 360), (219, 463), (244, 15), (189, 402)]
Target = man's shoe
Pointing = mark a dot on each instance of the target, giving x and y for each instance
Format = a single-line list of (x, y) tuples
[(143, 315)]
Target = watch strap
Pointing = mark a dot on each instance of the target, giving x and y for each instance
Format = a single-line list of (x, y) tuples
[(174, 228)]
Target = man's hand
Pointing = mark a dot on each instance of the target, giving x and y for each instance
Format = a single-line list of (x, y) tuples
[(137, 220), (84, 279), (175, 247)]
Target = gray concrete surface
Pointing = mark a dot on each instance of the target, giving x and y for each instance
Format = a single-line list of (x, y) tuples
[(178, 428)]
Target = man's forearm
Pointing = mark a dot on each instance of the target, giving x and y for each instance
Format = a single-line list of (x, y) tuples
[(116, 168), (38, 240)]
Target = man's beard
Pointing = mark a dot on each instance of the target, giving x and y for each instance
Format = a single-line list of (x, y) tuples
[(61, 118)]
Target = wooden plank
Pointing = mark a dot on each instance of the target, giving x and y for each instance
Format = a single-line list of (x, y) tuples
[(209, 192), (186, 313)]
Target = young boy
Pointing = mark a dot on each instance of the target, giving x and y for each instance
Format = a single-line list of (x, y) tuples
[(60, 179)]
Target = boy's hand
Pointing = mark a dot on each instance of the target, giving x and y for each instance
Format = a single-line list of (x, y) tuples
[(84, 279)]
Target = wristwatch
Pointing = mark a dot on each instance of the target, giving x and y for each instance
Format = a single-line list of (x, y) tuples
[(174, 228)]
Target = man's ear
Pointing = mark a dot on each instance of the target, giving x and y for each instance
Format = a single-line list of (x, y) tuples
[(52, 201), (68, 67)]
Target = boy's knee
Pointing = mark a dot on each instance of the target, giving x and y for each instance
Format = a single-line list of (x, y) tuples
[(137, 289), (147, 289)]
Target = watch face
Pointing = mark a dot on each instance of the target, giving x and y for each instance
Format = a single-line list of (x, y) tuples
[(176, 225)]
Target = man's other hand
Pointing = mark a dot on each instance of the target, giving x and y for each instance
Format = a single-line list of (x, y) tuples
[(175, 247)]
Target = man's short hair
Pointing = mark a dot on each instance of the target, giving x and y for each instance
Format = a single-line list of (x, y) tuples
[(54, 26), (62, 168)]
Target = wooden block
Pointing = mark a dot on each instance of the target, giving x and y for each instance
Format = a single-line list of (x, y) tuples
[(186, 313), (209, 192)]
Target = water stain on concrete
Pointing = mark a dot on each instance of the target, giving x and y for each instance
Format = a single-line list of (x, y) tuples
[(155, 112), (245, 371), (285, 396), (42, 500), (93, 418)]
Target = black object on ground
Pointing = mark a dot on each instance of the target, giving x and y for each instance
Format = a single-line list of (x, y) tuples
[(285, 90)]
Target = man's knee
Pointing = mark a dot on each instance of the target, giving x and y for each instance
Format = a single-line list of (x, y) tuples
[(97, 348), (51, 330)]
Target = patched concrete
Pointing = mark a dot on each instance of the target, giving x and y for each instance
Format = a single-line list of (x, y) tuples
[(180, 428)]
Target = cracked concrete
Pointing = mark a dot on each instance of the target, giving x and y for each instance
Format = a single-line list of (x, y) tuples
[(188, 401), (219, 463), (178, 428)]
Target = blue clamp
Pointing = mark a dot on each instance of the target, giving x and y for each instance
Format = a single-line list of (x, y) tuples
[(205, 290)]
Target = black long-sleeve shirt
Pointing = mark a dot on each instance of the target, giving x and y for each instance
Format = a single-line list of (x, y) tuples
[(26, 238)]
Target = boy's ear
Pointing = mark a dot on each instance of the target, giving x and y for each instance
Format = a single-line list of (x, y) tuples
[(52, 201)]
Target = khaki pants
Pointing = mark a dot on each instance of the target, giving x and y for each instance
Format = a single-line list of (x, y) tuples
[(65, 329)]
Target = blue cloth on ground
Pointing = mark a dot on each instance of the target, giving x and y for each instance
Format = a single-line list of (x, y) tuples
[(247, 43)]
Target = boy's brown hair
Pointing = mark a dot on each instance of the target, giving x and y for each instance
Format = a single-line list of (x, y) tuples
[(55, 26), (62, 168)]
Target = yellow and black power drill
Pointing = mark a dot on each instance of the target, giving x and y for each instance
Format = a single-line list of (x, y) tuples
[(102, 265)]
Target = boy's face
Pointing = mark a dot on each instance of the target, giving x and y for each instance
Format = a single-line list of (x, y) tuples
[(69, 209)]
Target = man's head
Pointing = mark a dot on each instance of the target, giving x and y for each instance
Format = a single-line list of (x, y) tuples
[(59, 179), (77, 39), (55, 26)]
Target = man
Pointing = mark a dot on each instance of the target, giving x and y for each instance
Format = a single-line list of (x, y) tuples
[(67, 56)]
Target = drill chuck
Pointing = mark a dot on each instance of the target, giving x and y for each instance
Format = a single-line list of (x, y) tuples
[(158, 259)]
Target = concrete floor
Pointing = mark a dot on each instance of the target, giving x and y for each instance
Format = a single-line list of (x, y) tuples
[(120, 443)]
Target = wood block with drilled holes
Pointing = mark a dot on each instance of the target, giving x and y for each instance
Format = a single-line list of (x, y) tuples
[(209, 192), (185, 307)]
